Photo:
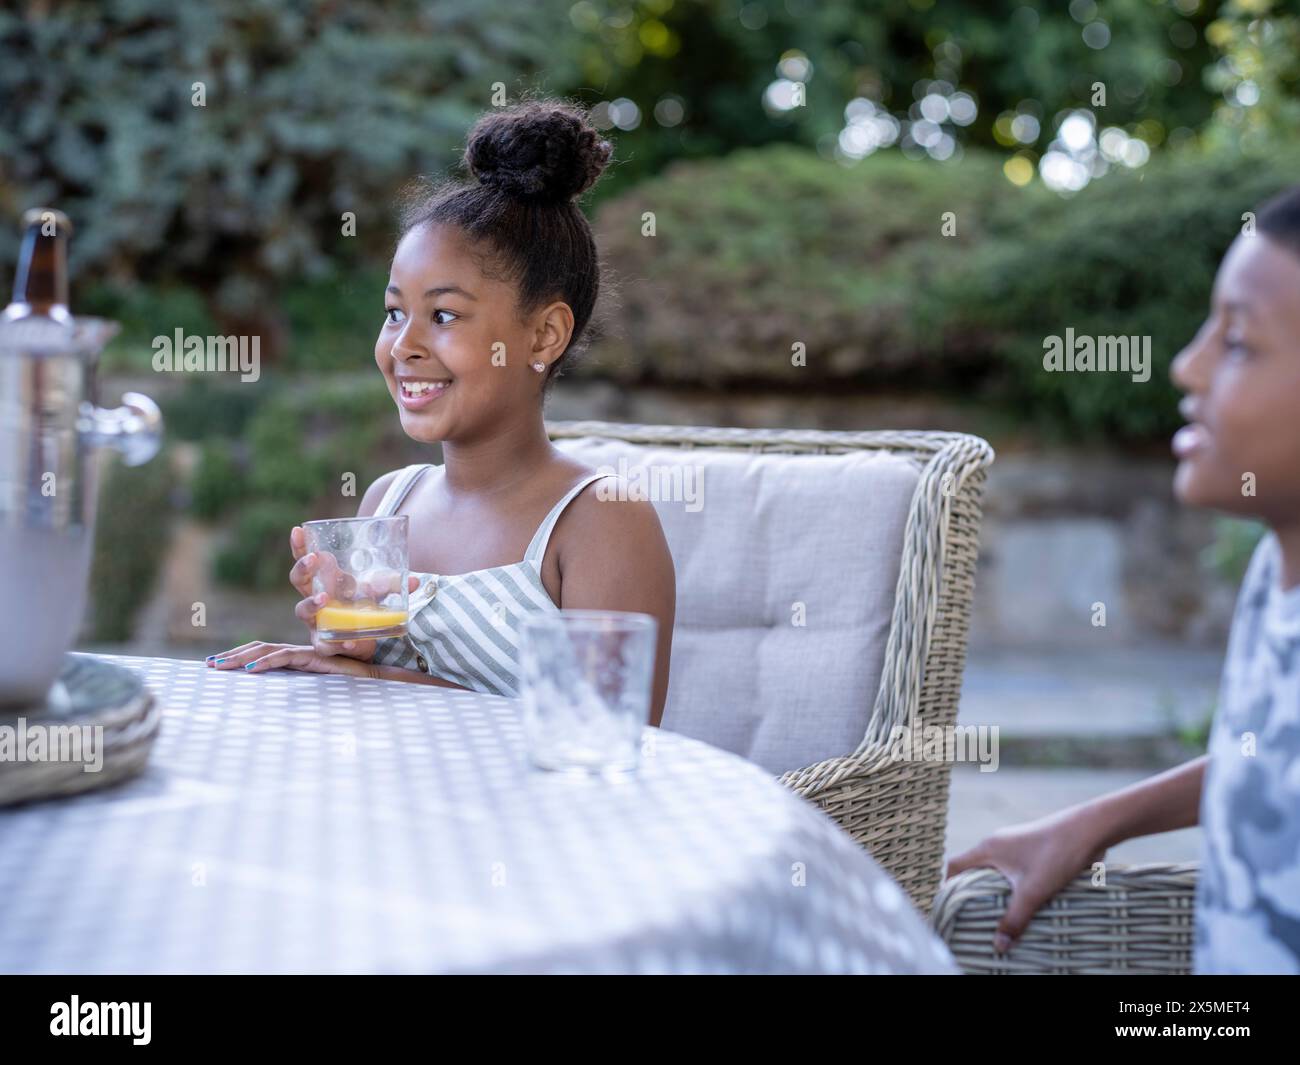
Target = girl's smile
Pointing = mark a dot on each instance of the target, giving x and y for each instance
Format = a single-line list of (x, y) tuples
[(415, 393)]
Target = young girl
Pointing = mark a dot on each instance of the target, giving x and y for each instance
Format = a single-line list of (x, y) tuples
[(508, 525), (1241, 374)]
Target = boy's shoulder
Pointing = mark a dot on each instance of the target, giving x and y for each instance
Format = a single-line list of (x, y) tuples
[(1258, 587), (1262, 571), (1247, 915)]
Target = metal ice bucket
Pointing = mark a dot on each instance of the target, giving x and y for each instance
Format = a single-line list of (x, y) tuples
[(51, 429)]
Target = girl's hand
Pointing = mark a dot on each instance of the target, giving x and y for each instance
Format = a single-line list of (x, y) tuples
[(339, 585), (1038, 858), (258, 657)]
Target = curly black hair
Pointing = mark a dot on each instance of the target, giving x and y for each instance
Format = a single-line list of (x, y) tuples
[(531, 162)]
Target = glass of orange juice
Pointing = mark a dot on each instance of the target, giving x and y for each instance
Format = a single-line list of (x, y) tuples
[(362, 566)]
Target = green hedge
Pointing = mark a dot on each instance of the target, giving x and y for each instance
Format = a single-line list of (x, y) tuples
[(766, 248), (1134, 254), (776, 246)]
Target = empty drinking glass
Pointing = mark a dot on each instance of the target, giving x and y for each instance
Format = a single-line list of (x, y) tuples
[(587, 678), (362, 567)]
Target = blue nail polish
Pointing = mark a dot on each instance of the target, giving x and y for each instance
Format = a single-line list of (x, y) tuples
[(250, 665), (220, 660)]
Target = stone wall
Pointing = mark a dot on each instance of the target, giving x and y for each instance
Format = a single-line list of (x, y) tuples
[(1070, 540)]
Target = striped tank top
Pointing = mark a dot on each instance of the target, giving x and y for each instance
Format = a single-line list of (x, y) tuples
[(465, 627)]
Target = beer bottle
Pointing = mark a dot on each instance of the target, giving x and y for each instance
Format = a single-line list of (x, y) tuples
[(41, 284)]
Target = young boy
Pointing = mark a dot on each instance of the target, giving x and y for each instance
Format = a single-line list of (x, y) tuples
[(1240, 453)]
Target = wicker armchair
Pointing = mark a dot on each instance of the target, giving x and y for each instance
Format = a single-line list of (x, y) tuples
[(898, 810), (1141, 921)]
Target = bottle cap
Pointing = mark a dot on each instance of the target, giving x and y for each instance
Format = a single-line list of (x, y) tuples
[(45, 215)]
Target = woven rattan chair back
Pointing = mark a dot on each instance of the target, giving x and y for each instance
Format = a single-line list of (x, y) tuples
[(896, 808)]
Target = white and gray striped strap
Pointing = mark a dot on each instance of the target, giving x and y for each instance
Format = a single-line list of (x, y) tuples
[(399, 488)]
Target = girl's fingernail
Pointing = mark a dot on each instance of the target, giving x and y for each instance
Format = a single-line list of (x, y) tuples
[(1001, 943), (320, 600), (348, 645), (307, 560), (220, 660), (250, 665)]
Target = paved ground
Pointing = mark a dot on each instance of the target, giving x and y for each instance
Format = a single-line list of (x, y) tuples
[(981, 803), (1104, 695), (1123, 691)]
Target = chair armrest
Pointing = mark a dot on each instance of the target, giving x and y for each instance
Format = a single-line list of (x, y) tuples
[(1139, 921)]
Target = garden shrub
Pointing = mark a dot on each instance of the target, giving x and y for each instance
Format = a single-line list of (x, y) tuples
[(777, 246), (133, 525), (1235, 540), (301, 445), (218, 483), (202, 408), (334, 321)]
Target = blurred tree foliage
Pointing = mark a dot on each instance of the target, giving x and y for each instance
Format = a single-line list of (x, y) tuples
[(135, 502), (309, 109), (715, 59), (1258, 74)]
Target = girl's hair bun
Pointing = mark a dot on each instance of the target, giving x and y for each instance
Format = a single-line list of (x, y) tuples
[(544, 151)]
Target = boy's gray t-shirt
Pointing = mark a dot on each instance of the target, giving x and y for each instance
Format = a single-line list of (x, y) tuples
[(1248, 897)]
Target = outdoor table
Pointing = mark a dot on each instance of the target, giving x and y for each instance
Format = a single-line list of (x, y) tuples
[(295, 822)]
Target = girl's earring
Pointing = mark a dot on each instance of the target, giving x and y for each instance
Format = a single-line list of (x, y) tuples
[(539, 366)]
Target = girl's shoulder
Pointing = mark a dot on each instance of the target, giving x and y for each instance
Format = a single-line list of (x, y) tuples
[(374, 495), (605, 515)]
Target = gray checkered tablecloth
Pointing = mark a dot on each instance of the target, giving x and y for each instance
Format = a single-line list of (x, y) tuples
[(291, 822)]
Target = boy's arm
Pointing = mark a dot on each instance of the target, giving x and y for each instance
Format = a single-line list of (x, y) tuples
[(1158, 804), (1043, 856)]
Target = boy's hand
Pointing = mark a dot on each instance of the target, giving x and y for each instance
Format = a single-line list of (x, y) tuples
[(1038, 858)]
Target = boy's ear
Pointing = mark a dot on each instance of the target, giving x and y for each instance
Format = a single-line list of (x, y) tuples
[(554, 328)]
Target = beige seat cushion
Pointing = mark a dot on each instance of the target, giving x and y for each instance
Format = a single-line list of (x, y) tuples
[(786, 570)]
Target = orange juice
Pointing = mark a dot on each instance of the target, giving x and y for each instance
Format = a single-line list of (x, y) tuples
[(345, 621)]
